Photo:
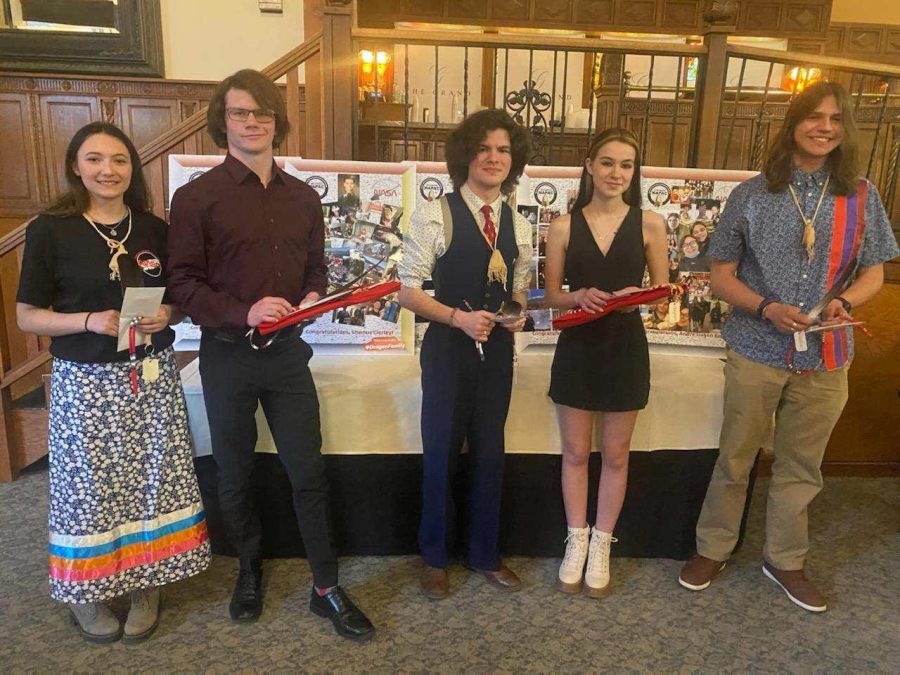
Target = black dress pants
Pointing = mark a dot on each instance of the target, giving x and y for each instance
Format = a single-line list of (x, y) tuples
[(235, 378), (463, 398)]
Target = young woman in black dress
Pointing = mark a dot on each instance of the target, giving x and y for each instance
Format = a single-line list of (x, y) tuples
[(599, 250)]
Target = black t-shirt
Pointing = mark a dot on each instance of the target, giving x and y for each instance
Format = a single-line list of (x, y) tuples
[(66, 267)]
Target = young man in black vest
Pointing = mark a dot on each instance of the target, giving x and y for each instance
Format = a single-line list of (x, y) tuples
[(478, 252)]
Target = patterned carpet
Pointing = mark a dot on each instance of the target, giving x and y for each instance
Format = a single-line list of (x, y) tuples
[(649, 623)]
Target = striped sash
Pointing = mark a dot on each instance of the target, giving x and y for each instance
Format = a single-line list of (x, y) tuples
[(846, 238)]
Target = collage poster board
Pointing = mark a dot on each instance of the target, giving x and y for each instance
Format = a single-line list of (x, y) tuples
[(690, 201), (365, 209)]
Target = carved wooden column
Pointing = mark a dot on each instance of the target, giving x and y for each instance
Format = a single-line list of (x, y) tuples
[(711, 83), (331, 90)]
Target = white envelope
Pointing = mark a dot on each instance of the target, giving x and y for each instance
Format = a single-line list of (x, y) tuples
[(138, 302)]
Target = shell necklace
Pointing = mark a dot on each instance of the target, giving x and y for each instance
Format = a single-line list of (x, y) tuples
[(116, 246)]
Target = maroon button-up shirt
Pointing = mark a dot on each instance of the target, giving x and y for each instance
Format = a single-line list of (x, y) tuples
[(233, 241)]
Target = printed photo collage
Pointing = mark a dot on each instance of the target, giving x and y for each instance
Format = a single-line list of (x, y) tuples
[(691, 209), (362, 236)]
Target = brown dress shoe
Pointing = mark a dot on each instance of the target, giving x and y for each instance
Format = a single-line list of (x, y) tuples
[(698, 572), (504, 578), (434, 582), (797, 587)]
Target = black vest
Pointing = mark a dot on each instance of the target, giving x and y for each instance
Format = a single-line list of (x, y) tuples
[(461, 273)]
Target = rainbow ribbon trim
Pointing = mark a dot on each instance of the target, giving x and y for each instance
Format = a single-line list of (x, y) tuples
[(144, 542)]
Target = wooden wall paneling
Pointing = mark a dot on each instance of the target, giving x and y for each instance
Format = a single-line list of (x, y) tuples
[(681, 14), (874, 382), (143, 119), (19, 346), (554, 11), (800, 17), (425, 7), (467, 9), (636, 13), (509, 10), (61, 117), (736, 154), (154, 174), (20, 182), (597, 12), (658, 142)]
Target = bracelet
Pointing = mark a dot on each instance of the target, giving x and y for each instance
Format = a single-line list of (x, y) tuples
[(761, 309), (452, 314), (846, 304), (85, 322)]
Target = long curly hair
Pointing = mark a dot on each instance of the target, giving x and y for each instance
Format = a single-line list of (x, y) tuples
[(842, 162), (264, 92), (464, 141), (76, 200), (632, 194)]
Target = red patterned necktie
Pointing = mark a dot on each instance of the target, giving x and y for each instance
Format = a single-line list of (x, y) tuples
[(489, 231)]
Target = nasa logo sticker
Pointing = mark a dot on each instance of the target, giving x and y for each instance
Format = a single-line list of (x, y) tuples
[(148, 262), (385, 188), (319, 184), (545, 193), (431, 189), (659, 194)]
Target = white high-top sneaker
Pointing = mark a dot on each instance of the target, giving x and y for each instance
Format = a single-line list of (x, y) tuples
[(572, 566), (596, 578)]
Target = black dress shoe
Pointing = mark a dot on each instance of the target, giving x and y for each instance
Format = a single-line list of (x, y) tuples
[(247, 600), (348, 619)]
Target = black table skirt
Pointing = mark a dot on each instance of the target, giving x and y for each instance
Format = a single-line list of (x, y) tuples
[(376, 501)]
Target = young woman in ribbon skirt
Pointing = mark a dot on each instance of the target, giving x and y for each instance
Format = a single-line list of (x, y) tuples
[(125, 514), (601, 248)]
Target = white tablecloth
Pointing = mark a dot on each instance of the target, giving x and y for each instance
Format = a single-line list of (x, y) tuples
[(370, 403)]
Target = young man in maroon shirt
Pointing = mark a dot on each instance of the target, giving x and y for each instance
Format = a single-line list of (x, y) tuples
[(246, 244)]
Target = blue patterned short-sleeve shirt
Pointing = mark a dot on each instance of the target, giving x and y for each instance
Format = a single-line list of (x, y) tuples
[(762, 232)]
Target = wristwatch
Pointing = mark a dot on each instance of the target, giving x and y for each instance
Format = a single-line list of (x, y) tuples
[(845, 303)]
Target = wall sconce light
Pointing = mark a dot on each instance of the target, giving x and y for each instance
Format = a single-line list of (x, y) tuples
[(375, 73), (799, 78)]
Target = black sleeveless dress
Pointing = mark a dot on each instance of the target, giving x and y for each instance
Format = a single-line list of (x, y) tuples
[(605, 364)]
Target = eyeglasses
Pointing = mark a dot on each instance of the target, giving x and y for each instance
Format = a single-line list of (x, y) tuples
[(242, 114)]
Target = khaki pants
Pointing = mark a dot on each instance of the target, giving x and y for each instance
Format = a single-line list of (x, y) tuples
[(806, 408)]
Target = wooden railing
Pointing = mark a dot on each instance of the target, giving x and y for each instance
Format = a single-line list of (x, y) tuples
[(700, 120), (24, 358)]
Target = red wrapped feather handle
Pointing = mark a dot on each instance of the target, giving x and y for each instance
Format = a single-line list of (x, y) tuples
[(642, 297), (328, 304)]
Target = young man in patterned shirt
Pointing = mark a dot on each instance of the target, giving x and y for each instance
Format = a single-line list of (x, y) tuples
[(782, 244), (478, 252)]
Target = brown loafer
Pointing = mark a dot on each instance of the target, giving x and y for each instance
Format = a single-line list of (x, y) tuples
[(801, 591), (434, 582), (504, 578), (699, 572)]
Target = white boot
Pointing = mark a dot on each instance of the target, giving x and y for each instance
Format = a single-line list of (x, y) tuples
[(143, 617), (596, 579), (572, 566)]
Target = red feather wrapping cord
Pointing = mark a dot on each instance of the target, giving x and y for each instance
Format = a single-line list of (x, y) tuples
[(643, 297), (357, 297)]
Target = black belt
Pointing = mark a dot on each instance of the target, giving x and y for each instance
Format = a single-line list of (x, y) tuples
[(239, 335)]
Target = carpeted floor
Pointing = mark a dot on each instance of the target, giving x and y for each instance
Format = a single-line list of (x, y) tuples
[(648, 623)]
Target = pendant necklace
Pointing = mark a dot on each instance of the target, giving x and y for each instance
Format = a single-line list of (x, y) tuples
[(116, 246), (809, 232)]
